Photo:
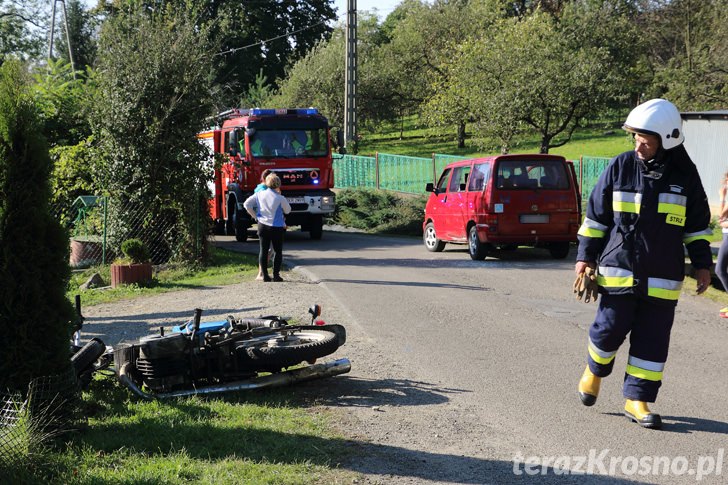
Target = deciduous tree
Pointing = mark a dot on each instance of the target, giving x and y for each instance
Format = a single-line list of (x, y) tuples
[(545, 73), (154, 94)]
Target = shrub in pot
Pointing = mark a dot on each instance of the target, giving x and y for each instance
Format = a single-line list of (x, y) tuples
[(134, 267)]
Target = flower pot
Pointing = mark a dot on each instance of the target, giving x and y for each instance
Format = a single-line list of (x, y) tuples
[(127, 274), (85, 253)]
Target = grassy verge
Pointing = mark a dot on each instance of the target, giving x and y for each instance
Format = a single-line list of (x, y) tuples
[(225, 268), (420, 141), (261, 437), (719, 297)]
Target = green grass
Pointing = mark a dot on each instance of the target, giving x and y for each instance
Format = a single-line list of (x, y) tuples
[(420, 141), (225, 268), (260, 437)]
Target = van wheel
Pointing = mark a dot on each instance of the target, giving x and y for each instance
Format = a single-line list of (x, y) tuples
[(430, 239), (478, 251), (559, 250)]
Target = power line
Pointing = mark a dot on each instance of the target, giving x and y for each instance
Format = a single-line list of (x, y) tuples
[(287, 34)]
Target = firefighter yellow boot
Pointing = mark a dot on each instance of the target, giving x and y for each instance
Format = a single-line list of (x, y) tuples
[(638, 412), (589, 387)]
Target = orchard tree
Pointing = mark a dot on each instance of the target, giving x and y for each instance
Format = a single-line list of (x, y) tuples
[(415, 62), (36, 316), (154, 94), (545, 73)]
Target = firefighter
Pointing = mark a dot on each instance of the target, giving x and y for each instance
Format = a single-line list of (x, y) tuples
[(647, 206)]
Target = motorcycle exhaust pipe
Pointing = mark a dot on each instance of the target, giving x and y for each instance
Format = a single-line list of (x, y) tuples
[(308, 373)]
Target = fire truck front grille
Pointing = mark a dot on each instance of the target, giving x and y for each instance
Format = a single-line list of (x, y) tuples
[(299, 207)]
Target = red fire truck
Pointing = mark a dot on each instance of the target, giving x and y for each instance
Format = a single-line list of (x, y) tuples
[(293, 143)]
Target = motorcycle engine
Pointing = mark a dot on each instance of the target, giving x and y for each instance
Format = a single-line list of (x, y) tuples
[(163, 362)]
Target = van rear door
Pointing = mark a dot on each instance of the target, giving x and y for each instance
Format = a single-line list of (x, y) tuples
[(537, 197)]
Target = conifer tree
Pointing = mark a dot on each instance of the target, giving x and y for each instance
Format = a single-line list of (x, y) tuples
[(35, 314)]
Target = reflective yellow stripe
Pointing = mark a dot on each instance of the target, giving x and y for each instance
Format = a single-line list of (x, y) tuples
[(598, 358), (678, 210), (626, 202), (592, 228), (695, 236), (663, 293), (664, 288), (631, 207), (590, 232), (615, 281), (649, 375)]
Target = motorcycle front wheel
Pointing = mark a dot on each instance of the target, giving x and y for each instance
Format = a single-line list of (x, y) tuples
[(278, 350)]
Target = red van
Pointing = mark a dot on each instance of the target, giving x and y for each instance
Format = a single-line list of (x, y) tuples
[(504, 201)]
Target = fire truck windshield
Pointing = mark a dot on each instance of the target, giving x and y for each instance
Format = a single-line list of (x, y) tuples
[(289, 143)]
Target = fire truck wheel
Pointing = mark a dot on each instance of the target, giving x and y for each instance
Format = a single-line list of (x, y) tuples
[(317, 228), (230, 221), (241, 230), (218, 227)]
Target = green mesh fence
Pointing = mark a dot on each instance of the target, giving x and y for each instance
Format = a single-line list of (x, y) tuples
[(410, 174), (441, 162), (355, 171), (404, 174), (588, 170)]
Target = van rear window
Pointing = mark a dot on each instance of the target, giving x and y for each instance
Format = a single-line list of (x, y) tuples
[(532, 174)]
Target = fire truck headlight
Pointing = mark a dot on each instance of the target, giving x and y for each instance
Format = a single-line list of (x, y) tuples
[(327, 202)]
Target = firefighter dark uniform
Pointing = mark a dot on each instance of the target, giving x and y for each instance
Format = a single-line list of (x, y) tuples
[(640, 217)]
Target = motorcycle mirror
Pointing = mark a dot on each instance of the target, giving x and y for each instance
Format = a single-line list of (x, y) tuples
[(315, 311)]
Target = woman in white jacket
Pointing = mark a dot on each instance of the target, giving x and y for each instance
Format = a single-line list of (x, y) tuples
[(268, 207)]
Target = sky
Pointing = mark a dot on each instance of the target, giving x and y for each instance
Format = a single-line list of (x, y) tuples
[(384, 7)]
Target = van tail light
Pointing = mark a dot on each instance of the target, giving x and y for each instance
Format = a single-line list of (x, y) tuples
[(574, 223), (492, 221)]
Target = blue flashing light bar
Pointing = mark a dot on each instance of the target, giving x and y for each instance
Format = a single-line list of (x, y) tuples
[(282, 111)]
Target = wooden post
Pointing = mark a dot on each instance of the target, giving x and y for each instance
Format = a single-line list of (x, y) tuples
[(376, 169)]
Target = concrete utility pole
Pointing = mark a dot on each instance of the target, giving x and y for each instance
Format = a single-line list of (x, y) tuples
[(350, 76), (68, 35)]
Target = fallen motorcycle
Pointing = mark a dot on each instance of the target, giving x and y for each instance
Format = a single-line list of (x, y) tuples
[(220, 356)]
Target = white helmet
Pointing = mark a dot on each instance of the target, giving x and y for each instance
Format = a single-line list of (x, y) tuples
[(657, 117)]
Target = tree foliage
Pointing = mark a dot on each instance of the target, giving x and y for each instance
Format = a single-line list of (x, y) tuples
[(318, 79), (542, 73), (81, 25), (62, 98), (261, 36), (689, 41), (154, 93), (36, 316), (21, 29)]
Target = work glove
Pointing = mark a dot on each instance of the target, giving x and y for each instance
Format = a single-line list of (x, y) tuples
[(585, 286)]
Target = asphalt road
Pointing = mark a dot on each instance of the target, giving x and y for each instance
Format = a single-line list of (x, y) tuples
[(507, 335)]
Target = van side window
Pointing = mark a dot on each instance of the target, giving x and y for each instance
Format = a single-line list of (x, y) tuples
[(442, 183), (479, 177), (459, 179)]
